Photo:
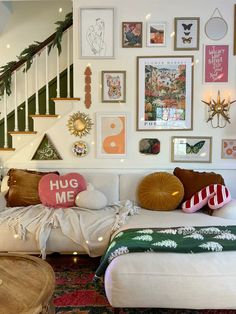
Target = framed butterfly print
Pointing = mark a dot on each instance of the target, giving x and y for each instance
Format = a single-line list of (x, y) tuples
[(191, 149), (186, 33)]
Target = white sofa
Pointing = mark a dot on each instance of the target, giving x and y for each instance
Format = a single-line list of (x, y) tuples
[(168, 280)]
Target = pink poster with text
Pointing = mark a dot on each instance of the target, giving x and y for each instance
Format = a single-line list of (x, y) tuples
[(216, 63)]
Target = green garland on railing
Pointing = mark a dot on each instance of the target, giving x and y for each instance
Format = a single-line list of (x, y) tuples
[(59, 32), (28, 53)]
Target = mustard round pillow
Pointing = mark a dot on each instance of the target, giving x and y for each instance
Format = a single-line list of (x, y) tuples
[(160, 191)]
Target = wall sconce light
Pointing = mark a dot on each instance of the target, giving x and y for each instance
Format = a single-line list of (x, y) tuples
[(218, 108)]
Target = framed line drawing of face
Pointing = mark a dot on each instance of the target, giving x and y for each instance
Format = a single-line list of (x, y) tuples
[(96, 33), (114, 86), (186, 33), (156, 34)]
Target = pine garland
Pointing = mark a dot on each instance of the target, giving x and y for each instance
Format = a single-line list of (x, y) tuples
[(28, 53)]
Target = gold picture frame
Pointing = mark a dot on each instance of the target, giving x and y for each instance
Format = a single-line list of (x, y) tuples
[(186, 33)]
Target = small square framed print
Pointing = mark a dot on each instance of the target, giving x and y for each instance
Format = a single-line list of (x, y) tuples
[(191, 149), (186, 33), (156, 34), (113, 86), (132, 34), (228, 149)]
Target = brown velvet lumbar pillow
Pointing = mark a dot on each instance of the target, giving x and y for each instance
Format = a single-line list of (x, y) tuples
[(23, 187), (194, 181), (160, 191)]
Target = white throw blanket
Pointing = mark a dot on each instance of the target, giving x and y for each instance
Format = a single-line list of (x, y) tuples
[(91, 229)]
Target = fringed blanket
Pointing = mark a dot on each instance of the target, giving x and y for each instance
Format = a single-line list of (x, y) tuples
[(176, 240), (91, 229)]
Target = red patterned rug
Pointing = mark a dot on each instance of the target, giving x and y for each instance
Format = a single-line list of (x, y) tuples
[(75, 292)]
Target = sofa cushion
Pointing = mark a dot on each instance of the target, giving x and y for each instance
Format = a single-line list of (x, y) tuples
[(91, 198), (160, 191), (23, 187), (194, 181), (60, 191)]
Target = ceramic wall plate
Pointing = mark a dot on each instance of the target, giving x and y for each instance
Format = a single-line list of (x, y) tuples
[(80, 149)]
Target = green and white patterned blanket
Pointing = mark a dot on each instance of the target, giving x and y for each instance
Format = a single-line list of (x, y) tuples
[(174, 239)]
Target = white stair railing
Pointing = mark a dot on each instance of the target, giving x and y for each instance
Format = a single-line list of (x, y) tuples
[(28, 83)]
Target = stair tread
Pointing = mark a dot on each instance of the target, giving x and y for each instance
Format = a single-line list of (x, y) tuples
[(44, 115), (22, 132), (70, 98), (7, 149)]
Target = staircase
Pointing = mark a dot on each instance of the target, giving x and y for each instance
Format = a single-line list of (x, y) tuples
[(35, 113)]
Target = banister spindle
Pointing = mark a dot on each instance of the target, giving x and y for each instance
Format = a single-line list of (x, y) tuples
[(26, 101), (15, 103), (58, 74), (47, 86), (5, 120), (68, 63), (36, 86)]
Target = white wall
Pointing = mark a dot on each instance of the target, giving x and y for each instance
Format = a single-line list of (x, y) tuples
[(125, 59)]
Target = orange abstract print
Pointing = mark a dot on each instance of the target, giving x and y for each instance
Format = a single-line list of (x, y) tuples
[(113, 135)]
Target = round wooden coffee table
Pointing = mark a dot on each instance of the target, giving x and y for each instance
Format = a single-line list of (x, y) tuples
[(26, 285)]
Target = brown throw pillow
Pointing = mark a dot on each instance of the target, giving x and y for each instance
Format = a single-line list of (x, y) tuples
[(23, 187), (160, 191), (194, 181)]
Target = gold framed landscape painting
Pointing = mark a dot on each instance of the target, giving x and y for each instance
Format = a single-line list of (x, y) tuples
[(191, 149), (165, 93)]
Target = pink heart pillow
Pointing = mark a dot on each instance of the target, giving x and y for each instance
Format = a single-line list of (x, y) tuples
[(60, 191), (215, 195)]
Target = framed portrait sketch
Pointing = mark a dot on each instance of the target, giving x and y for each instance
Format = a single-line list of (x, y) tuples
[(228, 149), (113, 86), (165, 92), (111, 135), (216, 63), (156, 34), (132, 34), (186, 33), (191, 149), (96, 33)]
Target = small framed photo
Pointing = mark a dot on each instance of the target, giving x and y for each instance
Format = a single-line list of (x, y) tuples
[(228, 149), (96, 33), (132, 34), (186, 33), (113, 86), (111, 135), (191, 149), (156, 34)]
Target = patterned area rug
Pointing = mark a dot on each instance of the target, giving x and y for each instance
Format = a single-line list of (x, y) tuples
[(75, 292)]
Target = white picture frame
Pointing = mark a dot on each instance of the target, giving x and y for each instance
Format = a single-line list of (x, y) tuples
[(191, 149), (111, 134), (96, 32), (156, 34)]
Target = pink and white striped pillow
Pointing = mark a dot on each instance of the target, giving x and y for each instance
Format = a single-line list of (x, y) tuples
[(215, 195)]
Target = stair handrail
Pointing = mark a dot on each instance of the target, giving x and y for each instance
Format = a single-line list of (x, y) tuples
[(18, 64)]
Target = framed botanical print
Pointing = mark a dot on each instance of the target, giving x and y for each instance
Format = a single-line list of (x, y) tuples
[(132, 34), (156, 34), (113, 86), (111, 134), (186, 33), (96, 33), (191, 149), (165, 92), (216, 63), (228, 149)]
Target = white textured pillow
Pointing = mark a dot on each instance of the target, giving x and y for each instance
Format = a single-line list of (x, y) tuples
[(91, 199), (228, 211), (4, 185)]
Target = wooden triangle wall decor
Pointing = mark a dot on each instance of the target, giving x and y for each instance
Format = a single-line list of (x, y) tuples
[(46, 150)]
